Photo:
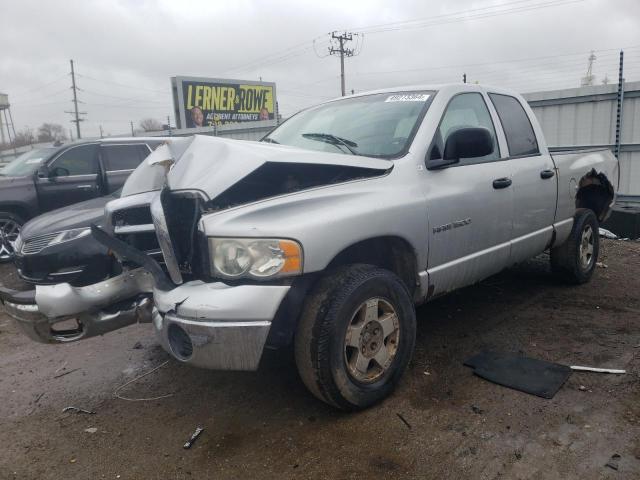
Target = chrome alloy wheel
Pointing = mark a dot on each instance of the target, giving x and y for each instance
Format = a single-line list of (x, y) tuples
[(586, 247), (371, 341), (9, 230)]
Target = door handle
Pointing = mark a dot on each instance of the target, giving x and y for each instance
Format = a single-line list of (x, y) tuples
[(544, 174), (85, 187), (501, 183)]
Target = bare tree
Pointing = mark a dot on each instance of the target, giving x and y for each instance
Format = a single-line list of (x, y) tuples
[(24, 137), (51, 132), (150, 125)]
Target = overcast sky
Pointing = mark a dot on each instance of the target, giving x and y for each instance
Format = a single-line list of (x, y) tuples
[(126, 51)]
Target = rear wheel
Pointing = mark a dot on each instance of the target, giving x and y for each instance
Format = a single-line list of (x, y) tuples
[(575, 260), (10, 226), (355, 337)]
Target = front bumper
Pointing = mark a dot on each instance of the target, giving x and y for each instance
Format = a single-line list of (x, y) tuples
[(214, 325), (97, 309)]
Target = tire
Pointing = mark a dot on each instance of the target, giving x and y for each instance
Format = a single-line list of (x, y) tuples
[(572, 261), (355, 305), (10, 226)]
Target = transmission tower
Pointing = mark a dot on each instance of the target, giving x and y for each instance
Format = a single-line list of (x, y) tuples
[(75, 112), (589, 78), (341, 50)]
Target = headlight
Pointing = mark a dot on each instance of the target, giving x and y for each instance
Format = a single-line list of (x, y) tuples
[(254, 257)]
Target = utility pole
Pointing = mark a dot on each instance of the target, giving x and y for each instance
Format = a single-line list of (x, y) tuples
[(132, 134), (343, 52), (464, 78), (101, 134), (589, 78), (169, 122), (75, 112)]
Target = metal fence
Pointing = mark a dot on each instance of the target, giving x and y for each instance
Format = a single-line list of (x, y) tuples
[(586, 117)]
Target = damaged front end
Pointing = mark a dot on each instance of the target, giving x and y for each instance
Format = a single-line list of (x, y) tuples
[(62, 313)]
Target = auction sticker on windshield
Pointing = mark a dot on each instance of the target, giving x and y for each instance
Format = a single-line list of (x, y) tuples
[(408, 97)]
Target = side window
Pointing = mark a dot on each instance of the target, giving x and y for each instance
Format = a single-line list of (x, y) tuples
[(79, 160), (516, 124), (464, 111), (121, 157)]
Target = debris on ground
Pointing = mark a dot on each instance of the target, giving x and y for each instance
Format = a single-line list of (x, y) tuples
[(602, 265), (598, 370), (137, 346), (91, 430), (477, 409), (77, 410), (613, 461), (147, 399), (607, 234), (404, 420), (194, 437), (66, 373), (582, 388)]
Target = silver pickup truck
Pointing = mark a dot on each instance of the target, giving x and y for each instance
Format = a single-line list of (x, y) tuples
[(330, 230)]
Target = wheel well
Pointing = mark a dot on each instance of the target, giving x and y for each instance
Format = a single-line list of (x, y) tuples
[(16, 210), (389, 252), (595, 192)]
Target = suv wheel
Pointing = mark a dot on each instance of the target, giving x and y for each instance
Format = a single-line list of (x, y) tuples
[(356, 336), (10, 225), (575, 260)]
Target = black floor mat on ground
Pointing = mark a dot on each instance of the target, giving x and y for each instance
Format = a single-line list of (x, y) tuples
[(529, 375)]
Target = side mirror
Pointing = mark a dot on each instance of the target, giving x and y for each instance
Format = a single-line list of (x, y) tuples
[(468, 143), (59, 172), (43, 171)]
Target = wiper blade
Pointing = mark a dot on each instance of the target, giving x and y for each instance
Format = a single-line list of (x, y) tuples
[(269, 140), (333, 140)]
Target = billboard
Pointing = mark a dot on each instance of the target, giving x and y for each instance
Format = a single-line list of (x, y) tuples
[(204, 102)]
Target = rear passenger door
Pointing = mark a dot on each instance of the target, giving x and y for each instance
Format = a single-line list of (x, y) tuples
[(119, 160), (534, 180), (469, 203)]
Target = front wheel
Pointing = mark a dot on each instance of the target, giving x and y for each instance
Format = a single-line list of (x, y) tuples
[(575, 260), (356, 336), (10, 226)]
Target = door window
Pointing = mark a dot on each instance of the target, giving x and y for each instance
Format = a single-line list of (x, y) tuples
[(80, 160), (122, 157), (516, 125), (464, 111)]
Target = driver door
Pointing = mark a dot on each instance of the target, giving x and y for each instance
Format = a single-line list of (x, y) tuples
[(469, 203), (73, 178)]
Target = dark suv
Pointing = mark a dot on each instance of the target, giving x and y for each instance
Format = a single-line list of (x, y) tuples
[(45, 179)]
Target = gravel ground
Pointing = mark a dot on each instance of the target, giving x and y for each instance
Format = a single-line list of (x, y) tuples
[(265, 425)]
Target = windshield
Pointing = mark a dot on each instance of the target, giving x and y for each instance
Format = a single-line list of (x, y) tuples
[(380, 125), (27, 163)]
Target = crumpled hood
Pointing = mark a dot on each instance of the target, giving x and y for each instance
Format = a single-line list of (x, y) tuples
[(212, 164), (79, 215)]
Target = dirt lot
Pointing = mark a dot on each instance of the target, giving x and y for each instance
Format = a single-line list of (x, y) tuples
[(266, 425)]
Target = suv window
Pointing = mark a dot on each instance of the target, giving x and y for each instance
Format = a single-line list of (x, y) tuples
[(122, 157), (464, 110), (516, 124), (80, 160)]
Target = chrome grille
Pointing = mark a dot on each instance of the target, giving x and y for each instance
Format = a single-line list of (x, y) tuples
[(35, 245)]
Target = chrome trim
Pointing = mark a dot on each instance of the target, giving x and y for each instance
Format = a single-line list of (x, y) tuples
[(70, 272), (162, 232), (35, 245), (134, 229), (120, 171), (63, 300)]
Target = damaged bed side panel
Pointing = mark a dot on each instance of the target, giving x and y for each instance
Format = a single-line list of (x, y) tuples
[(578, 171)]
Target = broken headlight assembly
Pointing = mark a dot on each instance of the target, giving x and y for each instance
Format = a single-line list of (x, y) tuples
[(258, 258)]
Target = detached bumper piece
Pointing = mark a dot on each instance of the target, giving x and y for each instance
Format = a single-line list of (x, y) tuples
[(62, 313), (216, 326)]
